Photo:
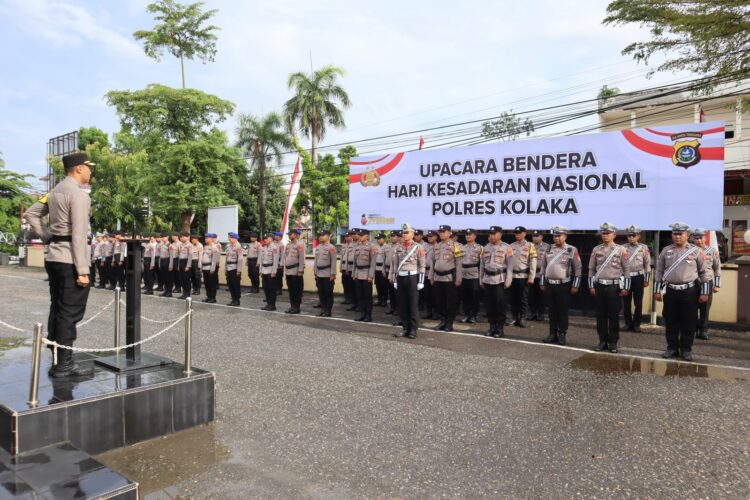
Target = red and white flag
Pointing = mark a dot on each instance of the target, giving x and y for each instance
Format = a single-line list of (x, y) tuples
[(701, 114), (292, 195), (421, 142)]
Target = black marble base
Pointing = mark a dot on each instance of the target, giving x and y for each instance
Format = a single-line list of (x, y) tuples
[(61, 472), (120, 362), (101, 412)]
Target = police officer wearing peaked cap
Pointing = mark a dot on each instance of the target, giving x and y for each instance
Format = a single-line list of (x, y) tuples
[(560, 278), (639, 265), (698, 236), (536, 297), (407, 275), (68, 259)]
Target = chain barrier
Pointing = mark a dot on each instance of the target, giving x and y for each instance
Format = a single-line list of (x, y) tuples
[(158, 321), (79, 325), (55, 346)]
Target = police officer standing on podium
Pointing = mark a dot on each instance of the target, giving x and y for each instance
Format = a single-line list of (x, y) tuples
[(682, 280), (609, 279), (560, 278), (639, 265), (407, 276), (68, 259)]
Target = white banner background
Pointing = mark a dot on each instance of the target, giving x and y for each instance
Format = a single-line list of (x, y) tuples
[(654, 190)]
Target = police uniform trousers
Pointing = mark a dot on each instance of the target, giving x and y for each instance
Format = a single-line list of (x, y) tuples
[(233, 282), (148, 275), (445, 298), (558, 298), (120, 271), (496, 301), (195, 275), (536, 300), (519, 296), (67, 302), (704, 309), (185, 277), (428, 295), (92, 273), (252, 266), (325, 293), (364, 296), (633, 319), (167, 276), (114, 271), (351, 291), (177, 276), (393, 298), (681, 317), (104, 270), (608, 305), (295, 284), (269, 289), (408, 301), (279, 279), (470, 293), (381, 286), (157, 272), (211, 281)]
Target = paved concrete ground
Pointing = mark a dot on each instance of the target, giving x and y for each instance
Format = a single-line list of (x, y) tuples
[(317, 408)]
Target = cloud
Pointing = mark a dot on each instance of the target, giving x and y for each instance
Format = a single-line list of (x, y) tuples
[(65, 25)]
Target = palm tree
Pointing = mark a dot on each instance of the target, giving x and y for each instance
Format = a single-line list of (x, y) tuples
[(262, 139), (318, 101)]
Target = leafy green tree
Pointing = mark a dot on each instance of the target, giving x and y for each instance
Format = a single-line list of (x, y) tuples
[(507, 128), (158, 113), (182, 31), (91, 135), (263, 140), (191, 162), (707, 37), (325, 187), (318, 101), (13, 199), (246, 195), (606, 92)]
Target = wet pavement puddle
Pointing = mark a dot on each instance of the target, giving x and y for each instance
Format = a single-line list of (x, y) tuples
[(161, 463), (602, 363)]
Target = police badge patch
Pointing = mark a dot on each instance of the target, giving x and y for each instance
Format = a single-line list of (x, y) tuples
[(686, 152)]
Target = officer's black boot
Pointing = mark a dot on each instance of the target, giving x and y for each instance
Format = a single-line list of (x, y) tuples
[(472, 319), (66, 367), (491, 330), (552, 337), (448, 325), (466, 319), (601, 346), (613, 347), (441, 325), (361, 318), (561, 338), (519, 321), (702, 334), (670, 353), (499, 332)]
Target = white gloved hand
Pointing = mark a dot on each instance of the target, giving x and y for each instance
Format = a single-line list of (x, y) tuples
[(420, 286), (395, 285)]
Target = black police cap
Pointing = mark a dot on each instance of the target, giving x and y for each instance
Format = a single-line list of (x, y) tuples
[(519, 229), (496, 229), (444, 227)]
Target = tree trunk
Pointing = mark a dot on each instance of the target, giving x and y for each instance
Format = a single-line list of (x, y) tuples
[(314, 148), (182, 67), (185, 220), (261, 188)]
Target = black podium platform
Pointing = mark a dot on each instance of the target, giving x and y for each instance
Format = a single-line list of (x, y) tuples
[(102, 412)]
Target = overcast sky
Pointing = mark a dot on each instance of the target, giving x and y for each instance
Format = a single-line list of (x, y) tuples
[(410, 65)]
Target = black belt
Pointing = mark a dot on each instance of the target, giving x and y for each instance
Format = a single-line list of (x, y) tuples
[(57, 239), (320, 268), (492, 273), (476, 264), (292, 266), (364, 267), (444, 273)]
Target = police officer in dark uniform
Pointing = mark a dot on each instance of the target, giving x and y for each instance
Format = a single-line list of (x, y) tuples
[(68, 258)]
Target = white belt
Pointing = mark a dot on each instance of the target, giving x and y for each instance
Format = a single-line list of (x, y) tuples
[(608, 282), (684, 286), (558, 282), (637, 273), (407, 273)]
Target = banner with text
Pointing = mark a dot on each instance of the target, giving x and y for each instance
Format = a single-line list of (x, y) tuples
[(649, 177)]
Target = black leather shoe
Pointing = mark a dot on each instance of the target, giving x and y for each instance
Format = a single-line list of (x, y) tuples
[(183, 297), (601, 346), (613, 348), (448, 326), (321, 313), (270, 308), (361, 318), (498, 333), (466, 319), (510, 322), (289, 311), (206, 300), (669, 354), (66, 367), (211, 301), (398, 323), (402, 333), (561, 338), (686, 355), (234, 303), (472, 319), (352, 308), (368, 319), (411, 334), (440, 325), (317, 306), (702, 334), (552, 337), (520, 323), (637, 329), (490, 331), (167, 295), (327, 314)]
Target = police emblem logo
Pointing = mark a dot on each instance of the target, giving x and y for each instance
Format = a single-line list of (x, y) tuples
[(370, 178), (686, 152)]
